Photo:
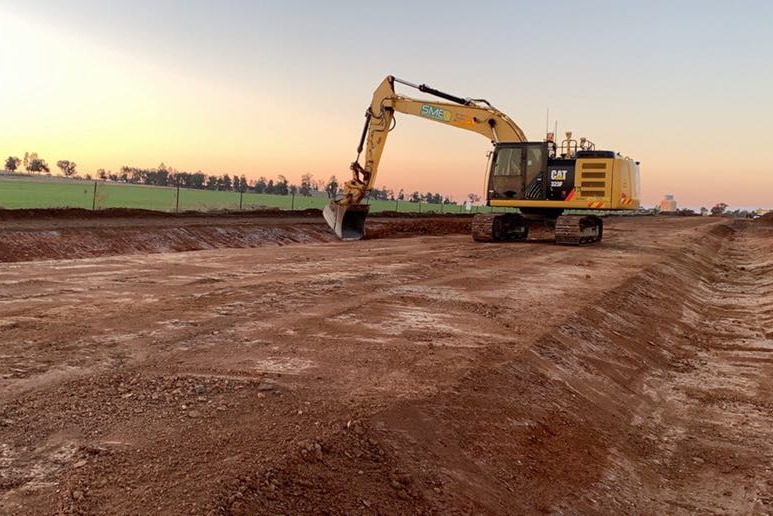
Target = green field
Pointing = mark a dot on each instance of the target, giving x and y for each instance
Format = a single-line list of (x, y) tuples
[(17, 192)]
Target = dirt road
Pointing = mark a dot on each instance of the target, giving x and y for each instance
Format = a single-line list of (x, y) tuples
[(421, 375)]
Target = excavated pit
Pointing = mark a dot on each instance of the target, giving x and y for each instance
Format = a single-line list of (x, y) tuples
[(419, 375)]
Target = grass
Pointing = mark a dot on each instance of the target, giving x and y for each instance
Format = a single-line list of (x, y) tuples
[(17, 191)]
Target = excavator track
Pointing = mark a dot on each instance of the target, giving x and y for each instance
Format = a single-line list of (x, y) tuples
[(499, 227), (578, 229)]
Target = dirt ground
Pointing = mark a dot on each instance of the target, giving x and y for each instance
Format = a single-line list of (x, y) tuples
[(274, 370)]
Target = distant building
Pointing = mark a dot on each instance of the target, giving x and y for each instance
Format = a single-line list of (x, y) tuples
[(668, 204)]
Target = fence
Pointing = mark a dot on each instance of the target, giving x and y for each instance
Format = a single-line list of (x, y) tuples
[(32, 192)]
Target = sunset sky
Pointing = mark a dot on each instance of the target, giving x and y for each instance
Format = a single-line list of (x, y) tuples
[(263, 88)]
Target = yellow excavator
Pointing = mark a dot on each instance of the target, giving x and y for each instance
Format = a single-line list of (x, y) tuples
[(541, 179)]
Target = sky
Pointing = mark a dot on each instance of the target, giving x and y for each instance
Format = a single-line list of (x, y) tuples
[(263, 88)]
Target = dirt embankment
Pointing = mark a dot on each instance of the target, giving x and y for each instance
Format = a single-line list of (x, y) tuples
[(74, 233), (632, 405)]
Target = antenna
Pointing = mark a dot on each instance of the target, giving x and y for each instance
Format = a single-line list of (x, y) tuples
[(547, 122)]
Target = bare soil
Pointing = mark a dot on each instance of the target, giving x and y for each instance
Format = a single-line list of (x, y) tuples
[(420, 375)]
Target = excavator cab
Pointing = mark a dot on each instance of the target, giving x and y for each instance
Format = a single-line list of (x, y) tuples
[(518, 171)]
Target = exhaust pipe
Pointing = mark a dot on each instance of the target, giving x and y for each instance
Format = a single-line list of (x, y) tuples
[(348, 222)]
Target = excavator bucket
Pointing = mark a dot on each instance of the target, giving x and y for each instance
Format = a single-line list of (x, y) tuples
[(348, 222)]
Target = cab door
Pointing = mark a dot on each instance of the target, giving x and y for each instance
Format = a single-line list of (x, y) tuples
[(518, 171)]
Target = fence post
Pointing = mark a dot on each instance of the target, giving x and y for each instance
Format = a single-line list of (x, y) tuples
[(241, 194), (441, 206), (94, 198), (419, 206), (177, 201), (292, 202), (397, 205)]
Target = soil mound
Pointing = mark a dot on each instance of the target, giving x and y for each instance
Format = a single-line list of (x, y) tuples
[(74, 233)]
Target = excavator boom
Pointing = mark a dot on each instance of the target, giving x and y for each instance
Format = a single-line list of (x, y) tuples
[(346, 214)]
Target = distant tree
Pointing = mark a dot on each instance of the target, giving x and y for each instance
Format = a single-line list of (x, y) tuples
[(260, 185), (743, 214), (704, 211), (227, 183), (12, 163), (401, 195), (197, 180), (159, 177), (293, 189), (473, 197), (281, 186), (332, 187), (306, 185), (415, 197), (101, 174), (67, 167), (37, 164), (87, 177), (244, 184), (237, 184), (718, 209), (33, 163), (379, 194)]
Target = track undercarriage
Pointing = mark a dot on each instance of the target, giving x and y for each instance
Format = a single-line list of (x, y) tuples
[(509, 227)]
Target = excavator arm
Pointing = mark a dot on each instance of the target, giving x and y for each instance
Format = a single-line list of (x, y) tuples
[(346, 215)]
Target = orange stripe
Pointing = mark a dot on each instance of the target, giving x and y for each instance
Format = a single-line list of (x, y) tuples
[(569, 197)]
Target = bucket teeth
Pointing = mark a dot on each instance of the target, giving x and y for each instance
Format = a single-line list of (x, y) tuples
[(348, 222)]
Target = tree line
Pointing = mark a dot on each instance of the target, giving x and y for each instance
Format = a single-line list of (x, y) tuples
[(164, 175)]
